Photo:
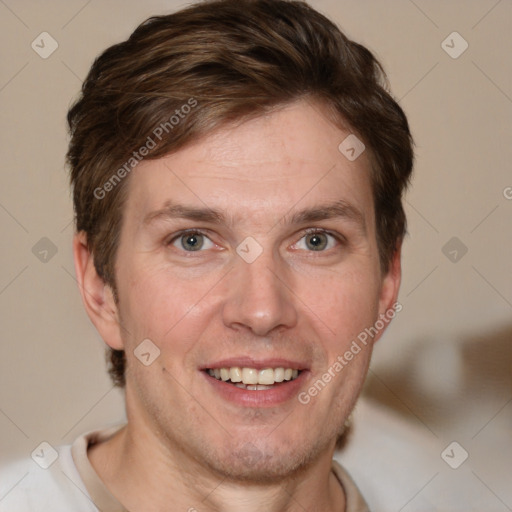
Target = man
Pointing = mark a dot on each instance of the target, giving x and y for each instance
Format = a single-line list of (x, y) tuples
[(238, 169)]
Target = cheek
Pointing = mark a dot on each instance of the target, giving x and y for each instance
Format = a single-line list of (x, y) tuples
[(152, 302), (345, 301), (164, 307)]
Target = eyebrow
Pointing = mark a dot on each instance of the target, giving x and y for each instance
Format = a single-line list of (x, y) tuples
[(337, 209)]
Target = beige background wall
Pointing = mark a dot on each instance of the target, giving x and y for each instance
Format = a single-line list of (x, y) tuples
[(445, 364)]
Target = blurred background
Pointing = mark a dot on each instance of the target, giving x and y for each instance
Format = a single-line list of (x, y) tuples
[(434, 427)]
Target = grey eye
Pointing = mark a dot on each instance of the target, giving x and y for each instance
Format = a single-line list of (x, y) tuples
[(192, 241), (316, 241)]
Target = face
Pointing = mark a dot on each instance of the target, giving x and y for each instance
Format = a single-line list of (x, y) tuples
[(253, 249)]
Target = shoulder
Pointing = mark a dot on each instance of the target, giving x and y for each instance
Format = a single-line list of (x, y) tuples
[(388, 457), (26, 486)]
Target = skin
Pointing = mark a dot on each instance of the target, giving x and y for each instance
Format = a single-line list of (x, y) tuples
[(185, 446)]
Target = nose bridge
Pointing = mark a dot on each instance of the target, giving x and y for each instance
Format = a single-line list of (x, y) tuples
[(259, 297)]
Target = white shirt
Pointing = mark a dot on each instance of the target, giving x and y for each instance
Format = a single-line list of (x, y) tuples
[(70, 483)]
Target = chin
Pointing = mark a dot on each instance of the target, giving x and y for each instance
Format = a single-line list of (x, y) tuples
[(262, 463)]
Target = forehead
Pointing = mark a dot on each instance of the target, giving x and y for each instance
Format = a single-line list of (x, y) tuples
[(284, 160)]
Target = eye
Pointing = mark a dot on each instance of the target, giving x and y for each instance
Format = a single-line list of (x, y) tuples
[(191, 241), (319, 241)]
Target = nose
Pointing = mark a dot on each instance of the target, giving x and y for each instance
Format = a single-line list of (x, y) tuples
[(260, 296)]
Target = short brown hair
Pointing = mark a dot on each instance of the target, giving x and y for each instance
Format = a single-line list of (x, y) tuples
[(227, 60)]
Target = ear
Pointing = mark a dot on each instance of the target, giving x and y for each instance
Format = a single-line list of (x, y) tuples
[(389, 290), (97, 296)]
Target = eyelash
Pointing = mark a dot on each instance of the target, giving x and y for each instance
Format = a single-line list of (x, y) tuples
[(308, 231)]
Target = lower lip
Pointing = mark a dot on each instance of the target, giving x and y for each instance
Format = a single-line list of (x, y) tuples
[(258, 398)]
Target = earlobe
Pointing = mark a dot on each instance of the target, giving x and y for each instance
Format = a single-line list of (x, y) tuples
[(390, 288), (96, 295)]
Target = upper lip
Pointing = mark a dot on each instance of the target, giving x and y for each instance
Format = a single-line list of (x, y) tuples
[(258, 364)]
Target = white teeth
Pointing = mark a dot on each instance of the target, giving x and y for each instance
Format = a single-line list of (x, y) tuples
[(235, 374), (279, 374), (266, 376), (252, 387), (253, 379), (249, 376)]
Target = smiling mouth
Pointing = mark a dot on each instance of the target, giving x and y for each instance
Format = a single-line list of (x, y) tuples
[(253, 379)]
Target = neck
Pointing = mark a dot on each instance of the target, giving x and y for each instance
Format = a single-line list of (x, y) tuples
[(144, 472)]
